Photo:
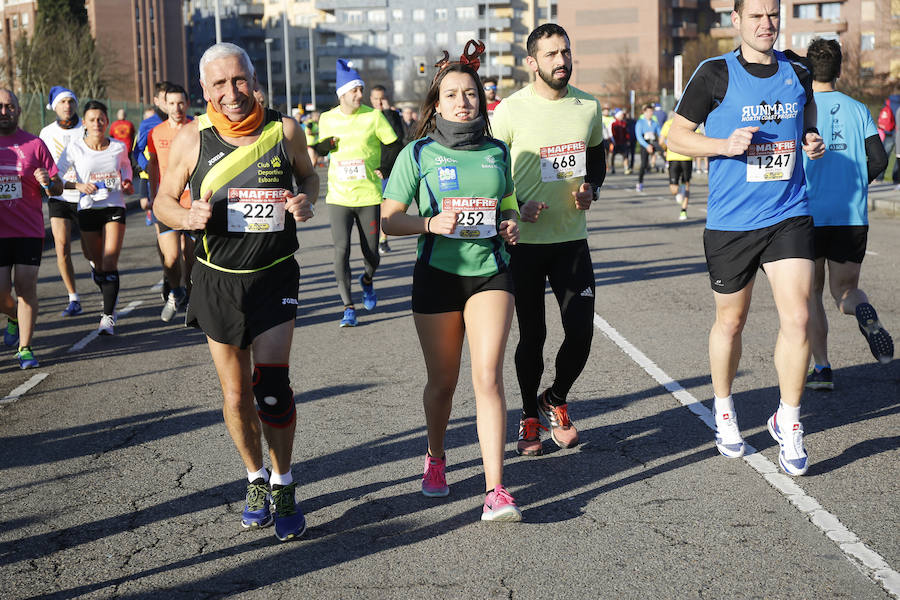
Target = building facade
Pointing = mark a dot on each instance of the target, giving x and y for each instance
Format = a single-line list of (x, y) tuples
[(142, 42), (17, 18)]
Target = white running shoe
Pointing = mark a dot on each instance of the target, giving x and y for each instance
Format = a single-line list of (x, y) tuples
[(107, 323), (728, 435), (792, 457), (170, 308)]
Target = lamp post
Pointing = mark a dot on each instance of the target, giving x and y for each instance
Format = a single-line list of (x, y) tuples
[(287, 62), (269, 69)]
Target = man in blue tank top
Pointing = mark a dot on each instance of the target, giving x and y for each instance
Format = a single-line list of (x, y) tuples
[(759, 113)]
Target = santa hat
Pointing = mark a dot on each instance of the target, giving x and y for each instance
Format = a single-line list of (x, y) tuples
[(58, 93), (347, 77)]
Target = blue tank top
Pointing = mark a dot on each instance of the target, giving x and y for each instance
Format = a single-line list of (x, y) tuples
[(765, 185)]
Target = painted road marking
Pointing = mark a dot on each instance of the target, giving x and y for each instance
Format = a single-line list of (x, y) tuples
[(94, 334), (19, 391), (867, 560)]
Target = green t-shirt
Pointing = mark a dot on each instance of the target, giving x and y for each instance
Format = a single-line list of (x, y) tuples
[(475, 182), (548, 140), (351, 174)]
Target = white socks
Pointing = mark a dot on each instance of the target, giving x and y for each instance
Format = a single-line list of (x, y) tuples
[(261, 474), (281, 479), (787, 416), (723, 405)]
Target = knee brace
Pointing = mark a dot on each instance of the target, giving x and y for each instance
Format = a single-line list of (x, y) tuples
[(274, 397)]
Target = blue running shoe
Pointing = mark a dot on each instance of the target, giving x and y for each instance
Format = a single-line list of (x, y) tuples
[(74, 308), (256, 508), (369, 297), (349, 319), (289, 520), (11, 333), (26, 358), (792, 457)]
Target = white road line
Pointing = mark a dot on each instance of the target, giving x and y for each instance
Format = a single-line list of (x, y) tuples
[(870, 253), (867, 560), (19, 391), (93, 335), (157, 286)]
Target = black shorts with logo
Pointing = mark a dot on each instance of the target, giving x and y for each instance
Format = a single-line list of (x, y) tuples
[(680, 171), (235, 308), (435, 291), (842, 243), (733, 257), (60, 209), (93, 219), (21, 251)]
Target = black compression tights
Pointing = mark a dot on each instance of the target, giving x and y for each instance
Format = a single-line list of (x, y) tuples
[(567, 266), (343, 218)]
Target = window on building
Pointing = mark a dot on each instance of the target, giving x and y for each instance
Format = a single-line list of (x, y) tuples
[(418, 14), (441, 37), (376, 64), (301, 43), (15, 22), (831, 11), (302, 66), (355, 39), (464, 36), (381, 40), (353, 16), (867, 40), (418, 39), (276, 66), (397, 39), (397, 14), (441, 14), (867, 10), (24, 19), (801, 40), (867, 69), (724, 19), (377, 16), (466, 12), (806, 11), (399, 86)]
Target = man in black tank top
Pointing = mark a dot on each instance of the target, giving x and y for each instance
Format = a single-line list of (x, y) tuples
[(241, 160)]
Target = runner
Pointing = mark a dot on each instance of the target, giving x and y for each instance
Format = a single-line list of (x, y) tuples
[(679, 172), (177, 247), (838, 187), (102, 177), (379, 100), (363, 147), (26, 166), (647, 133), (460, 181), (241, 161), (555, 135), (623, 144), (123, 130), (490, 94), (759, 109), (142, 157), (63, 210)]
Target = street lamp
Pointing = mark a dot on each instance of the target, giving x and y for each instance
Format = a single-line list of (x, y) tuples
[(269, 69)]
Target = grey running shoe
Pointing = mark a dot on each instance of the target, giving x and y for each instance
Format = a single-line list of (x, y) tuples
[(170, 308)]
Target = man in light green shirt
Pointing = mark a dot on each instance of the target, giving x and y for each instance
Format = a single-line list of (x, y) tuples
[(555, 136)]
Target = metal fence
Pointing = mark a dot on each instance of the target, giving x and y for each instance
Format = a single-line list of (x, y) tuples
[(35, 114)]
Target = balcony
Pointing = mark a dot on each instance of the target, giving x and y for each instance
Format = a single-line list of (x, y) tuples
[(820, 25), (721, 33), (684, 3), (353, 27), (332, 5), (685, 30), (722, 5), (250, 10)]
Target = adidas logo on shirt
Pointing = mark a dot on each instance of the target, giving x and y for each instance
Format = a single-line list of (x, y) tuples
[(587, 293)]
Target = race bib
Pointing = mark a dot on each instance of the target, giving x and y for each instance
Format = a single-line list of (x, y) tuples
[(111, 181), (477, 217), (772, 161), (351, 170), (254, 210), (10, 187), (564, 161)]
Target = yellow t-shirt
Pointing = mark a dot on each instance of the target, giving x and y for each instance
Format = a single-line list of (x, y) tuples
[(548, 142), (351, 175), (663, 135)]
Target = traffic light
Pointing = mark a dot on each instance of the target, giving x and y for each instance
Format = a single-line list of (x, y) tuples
[(421, 69)]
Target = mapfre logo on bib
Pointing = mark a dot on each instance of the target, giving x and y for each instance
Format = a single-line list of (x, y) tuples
[(776, 112)]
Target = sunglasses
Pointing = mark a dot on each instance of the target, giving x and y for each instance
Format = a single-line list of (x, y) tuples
[(490, 87)]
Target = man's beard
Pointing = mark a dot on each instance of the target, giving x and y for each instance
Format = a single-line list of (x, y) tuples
[(556, 84), (8, 127)]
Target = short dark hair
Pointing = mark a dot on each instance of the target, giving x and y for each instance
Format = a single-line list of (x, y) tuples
[(96, 105), (739, 5), (488, 79), (160, 86), (824, 59), (379, 88), (543, 31), (649, 106), (174, 88)]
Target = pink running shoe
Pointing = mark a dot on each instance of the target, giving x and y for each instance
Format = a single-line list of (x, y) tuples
[(434, 482), (500, 506)]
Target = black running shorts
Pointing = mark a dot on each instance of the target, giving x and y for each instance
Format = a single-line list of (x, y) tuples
[(680, 171), (235, 308), (435, 291), (733, 257), (93, 219), (60, 209), (21, 251), (842, 243)]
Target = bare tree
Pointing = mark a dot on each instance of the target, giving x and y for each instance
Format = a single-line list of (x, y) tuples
[(626, 74), (696, 51)]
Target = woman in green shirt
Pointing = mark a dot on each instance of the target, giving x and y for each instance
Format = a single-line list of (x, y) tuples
[(460, 180)]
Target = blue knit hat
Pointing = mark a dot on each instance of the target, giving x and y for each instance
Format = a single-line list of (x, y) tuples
[(57, 93), (347, 77)]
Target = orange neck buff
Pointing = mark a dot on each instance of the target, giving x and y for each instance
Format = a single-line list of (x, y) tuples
[(231, 129)]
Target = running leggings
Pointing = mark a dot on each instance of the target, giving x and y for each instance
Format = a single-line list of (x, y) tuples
[(568, 268), (366, 219)]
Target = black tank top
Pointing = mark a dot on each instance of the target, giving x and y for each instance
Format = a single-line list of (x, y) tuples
[(249, 230)]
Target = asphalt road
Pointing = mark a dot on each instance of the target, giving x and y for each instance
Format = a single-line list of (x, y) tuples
[(120, 481)]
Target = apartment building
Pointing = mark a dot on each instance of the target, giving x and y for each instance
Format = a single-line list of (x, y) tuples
[(16, 19), (868, 30), (142, 42)]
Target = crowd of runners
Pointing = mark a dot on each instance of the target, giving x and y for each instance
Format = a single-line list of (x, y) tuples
[(498, 206)]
